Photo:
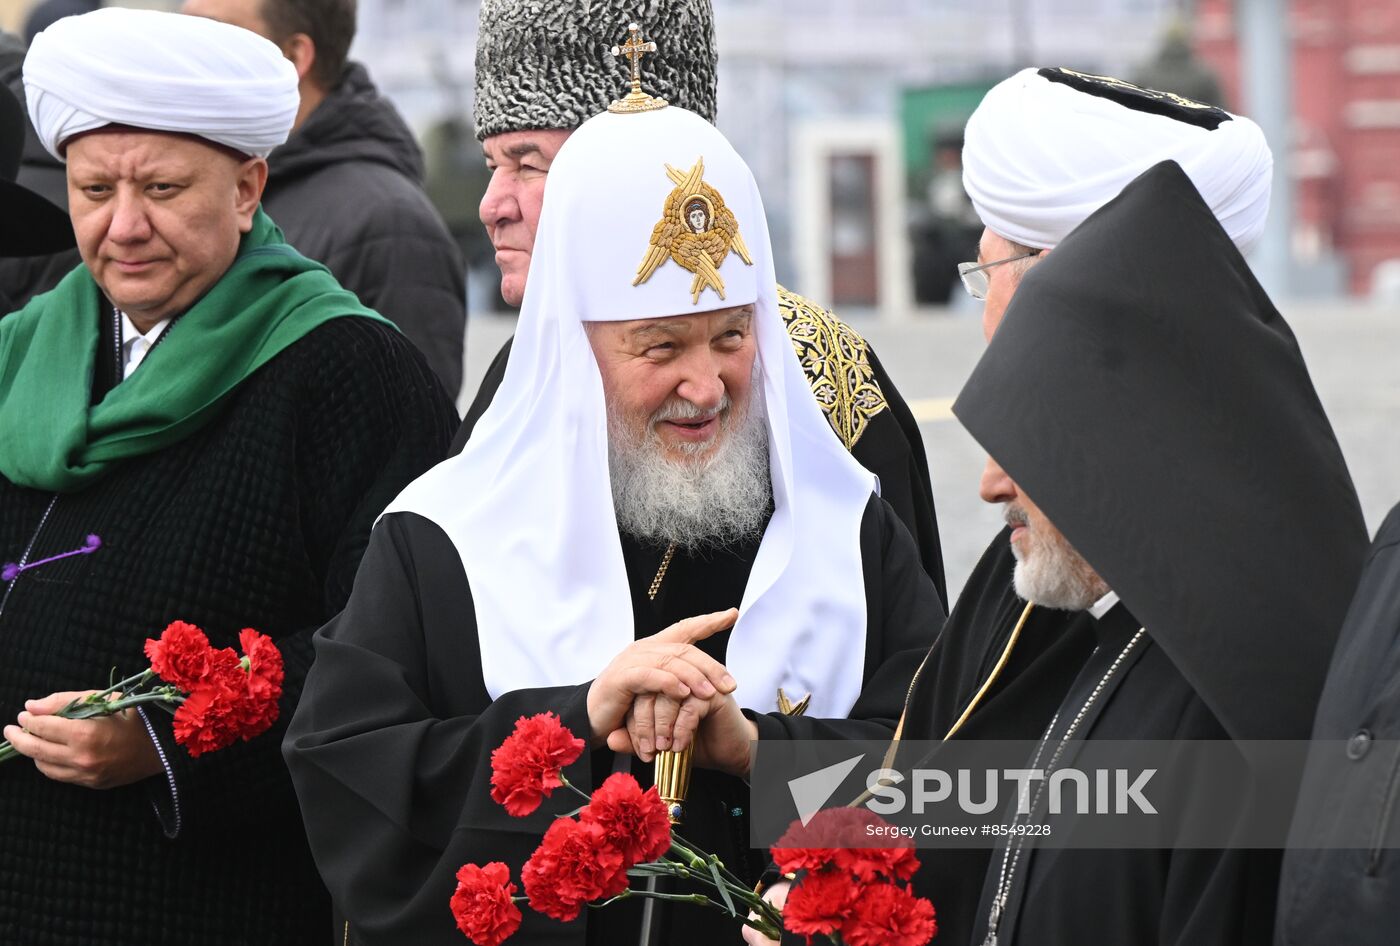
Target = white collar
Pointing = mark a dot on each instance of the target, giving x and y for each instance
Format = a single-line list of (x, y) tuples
[(1105, 604), (130, 333)]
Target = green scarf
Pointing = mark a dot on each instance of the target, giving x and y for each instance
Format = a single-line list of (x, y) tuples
[(53, 438)]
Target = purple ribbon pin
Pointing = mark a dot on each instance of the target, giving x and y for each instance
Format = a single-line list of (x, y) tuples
[(13, 570)]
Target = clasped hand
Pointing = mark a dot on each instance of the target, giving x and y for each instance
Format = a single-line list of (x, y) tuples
[(663, 692)]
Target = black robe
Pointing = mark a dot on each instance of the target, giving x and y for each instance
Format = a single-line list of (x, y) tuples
[(1019, 704), (1074, 897), (1341, 876), (860, 402), (258, 519), (1131, 896), (390, 746)]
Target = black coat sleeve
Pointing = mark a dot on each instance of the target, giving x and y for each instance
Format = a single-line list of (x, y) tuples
[(390, 747)]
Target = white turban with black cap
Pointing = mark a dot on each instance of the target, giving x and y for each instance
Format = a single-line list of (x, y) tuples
[(1048, 147), (163, 72)]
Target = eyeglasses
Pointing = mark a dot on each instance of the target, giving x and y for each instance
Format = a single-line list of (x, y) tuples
[(974, 275)]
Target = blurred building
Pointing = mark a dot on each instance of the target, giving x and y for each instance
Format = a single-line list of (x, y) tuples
[(841, 108), (1345, 60)]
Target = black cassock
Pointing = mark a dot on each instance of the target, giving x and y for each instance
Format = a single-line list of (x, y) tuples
[(1165, 896), (390, 747), (1072, 896)]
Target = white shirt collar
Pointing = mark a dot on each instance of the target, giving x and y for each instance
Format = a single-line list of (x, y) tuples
[(1105, 604), (135, 345)]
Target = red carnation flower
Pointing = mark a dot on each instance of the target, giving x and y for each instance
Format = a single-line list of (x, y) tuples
[(482, 904), (843, 837), (870, 863), (525, 767), (819, 904), (265, 670), (262, 663), (888, 915), (633, 820), (231, 702), (210, 719), (574, 864), (181, 656)]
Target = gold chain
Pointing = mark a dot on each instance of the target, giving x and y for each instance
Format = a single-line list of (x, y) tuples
[(661, 572)]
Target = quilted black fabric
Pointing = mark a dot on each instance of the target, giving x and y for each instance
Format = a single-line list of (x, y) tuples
[(258, 520)]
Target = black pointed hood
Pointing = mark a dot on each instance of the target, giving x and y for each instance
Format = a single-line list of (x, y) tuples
[(1149, 398)]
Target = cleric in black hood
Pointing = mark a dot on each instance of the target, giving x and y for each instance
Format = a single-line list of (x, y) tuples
[(1147, 395)]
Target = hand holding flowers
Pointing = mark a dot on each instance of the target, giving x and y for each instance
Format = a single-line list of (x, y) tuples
[(216, 697)]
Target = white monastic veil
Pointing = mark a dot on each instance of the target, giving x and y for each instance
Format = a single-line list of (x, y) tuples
[(528, 502)]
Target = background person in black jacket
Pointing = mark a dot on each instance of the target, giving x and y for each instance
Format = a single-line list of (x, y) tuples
[(347, 187), (1341, 874)]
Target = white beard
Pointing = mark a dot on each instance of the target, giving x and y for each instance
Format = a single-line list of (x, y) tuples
[(1052, 574), (711, 500)]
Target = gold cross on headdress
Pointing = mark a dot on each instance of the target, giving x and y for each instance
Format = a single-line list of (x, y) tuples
[(634, 49)]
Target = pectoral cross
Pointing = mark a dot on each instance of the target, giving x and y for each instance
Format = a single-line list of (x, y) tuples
[(634, 49)]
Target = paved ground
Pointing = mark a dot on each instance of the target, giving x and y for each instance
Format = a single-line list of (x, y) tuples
[(1353, 353)]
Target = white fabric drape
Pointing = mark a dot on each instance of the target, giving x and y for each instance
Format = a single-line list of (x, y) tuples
[(528, 502)]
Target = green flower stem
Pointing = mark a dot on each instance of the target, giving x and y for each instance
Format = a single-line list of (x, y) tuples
[(81, 710), (130, 684), (762, 924), (770, 929), (738, 891), (573, 788), (692, 855), (95, 706)]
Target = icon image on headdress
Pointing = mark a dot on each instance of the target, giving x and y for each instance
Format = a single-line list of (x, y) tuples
[(698, 214), (696, 230)]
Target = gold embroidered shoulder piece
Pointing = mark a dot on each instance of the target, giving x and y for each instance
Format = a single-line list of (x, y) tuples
[(837, 364)]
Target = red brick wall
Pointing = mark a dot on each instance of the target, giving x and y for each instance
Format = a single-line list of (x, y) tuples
[(1346, 147)]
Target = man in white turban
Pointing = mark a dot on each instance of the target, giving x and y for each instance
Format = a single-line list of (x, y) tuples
[(200, 425), (655, 454)]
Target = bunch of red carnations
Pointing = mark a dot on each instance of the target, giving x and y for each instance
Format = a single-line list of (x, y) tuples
[(623, 833), (217, 696), (851, 894)]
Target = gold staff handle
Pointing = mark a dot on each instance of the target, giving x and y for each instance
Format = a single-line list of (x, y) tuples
[(673, 782)]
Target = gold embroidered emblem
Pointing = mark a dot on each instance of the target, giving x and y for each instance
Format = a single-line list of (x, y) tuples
[(636, 100), (696, 230), (837, 364)]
